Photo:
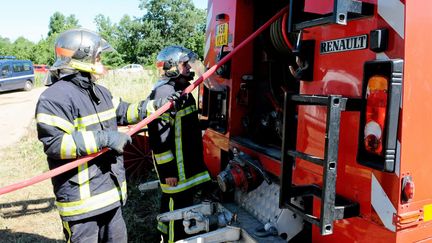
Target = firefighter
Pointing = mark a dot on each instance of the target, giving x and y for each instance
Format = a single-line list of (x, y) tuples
[(175, 138), (76, 117)]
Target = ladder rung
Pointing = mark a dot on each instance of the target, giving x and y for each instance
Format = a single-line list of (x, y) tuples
[(310, 158), (310, 99)]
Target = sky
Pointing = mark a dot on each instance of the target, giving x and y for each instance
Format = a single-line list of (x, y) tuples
[(30, 18)]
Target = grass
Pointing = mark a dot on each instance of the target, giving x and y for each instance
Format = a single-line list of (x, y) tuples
[(131, 87), (29, 214), (39, 79)]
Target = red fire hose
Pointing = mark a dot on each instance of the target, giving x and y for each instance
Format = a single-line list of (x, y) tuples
[(143, 123)]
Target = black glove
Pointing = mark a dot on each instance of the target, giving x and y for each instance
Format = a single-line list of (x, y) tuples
[(176, 97), (112, 139)]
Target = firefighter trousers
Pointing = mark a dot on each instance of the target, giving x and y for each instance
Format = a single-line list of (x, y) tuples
[(107, 227), (174, 230)]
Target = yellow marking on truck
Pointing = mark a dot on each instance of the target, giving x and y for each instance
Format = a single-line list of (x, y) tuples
[(427, 212), (222, 34)]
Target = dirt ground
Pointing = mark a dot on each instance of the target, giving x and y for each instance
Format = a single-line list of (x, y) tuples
[(17, 110)]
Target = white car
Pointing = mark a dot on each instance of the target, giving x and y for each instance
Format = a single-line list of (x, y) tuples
[(133, 68)]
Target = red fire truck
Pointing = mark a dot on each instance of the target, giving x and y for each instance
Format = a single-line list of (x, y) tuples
[(319, 131)]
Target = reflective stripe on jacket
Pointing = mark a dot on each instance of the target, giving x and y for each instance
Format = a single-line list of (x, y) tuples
[(67, 123), (176, 142)]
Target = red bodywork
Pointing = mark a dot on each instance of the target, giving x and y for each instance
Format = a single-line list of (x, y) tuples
[(342, 73)]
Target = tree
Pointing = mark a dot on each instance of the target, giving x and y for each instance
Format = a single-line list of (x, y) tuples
[(166, 22), (71, 22), (43, 51), (171, 22), (56, 23), (5, 47), (109, 32), (59, 23), (129, 35), (151, 43), (105, 28), (22, 48)]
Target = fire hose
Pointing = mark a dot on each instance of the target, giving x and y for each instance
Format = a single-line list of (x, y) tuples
[(137, 127)]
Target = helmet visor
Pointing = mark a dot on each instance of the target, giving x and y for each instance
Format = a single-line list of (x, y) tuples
[(104, 47), (197, 67)]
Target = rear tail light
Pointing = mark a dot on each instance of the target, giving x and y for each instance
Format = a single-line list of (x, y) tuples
[(379, 118), (376, 109)]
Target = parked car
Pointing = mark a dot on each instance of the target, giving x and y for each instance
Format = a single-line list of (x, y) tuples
[(16, 74), (133, 68), (40, 68)]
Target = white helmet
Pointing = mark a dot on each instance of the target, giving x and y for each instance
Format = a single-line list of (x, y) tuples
[(78, 49), (170, 57)]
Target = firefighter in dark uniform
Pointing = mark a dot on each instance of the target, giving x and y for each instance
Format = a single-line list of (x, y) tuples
[(175, 138), (76, 117)]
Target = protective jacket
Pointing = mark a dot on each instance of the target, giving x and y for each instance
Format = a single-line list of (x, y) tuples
[(176, 141), (69, 116)]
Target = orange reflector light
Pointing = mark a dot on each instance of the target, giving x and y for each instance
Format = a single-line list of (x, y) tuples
[(408, 189), (376, 109), (377, 82)]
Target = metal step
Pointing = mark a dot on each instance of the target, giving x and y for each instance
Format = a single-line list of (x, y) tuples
[(333, 207)]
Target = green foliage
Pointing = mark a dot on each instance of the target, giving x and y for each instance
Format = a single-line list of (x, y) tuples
[(105, 28), (56, 23), (178, 22), (5, 46), (108, 31), (172, 22), (21, 48), (59, 23), (43, 51), (112, 59), (128, 37), (166, 22)]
